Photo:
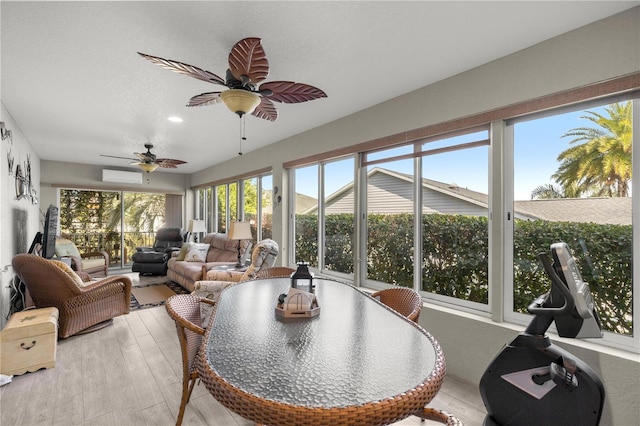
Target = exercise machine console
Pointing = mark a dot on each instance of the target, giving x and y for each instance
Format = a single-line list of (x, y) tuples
[(534, 382)]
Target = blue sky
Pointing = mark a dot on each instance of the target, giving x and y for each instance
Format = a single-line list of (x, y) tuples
[(537, 145)]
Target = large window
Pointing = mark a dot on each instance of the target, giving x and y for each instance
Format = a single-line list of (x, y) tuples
[(113, 221), (572, 182), (455, 227), (305, 207), (222, 203), (325, 240), (390, 217), (438, 187), (462, 216)]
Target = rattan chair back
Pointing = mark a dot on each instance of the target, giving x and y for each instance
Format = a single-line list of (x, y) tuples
[(184, 309), (275, 272), (83, 307), (403, 300)]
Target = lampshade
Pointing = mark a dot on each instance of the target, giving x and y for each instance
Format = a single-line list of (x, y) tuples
[(240, 231), (240, 101), (148, 167), (197, 226)]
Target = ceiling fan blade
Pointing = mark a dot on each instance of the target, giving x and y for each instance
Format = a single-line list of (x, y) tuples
[(266, 110), (115, 156), (203, 99), (248, 61), (186, 69), (169, 163), (291, 93)]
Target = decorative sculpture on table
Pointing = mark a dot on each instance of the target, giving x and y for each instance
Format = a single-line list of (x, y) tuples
[(301, 301)]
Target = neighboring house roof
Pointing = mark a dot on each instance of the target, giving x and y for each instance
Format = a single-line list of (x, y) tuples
[(391, 192), (605, 210), (304, 202)]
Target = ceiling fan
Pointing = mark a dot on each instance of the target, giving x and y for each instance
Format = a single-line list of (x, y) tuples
[(148, 161), (246, 94)]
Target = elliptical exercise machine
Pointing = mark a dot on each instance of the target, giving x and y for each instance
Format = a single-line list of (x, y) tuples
[(532, 381)]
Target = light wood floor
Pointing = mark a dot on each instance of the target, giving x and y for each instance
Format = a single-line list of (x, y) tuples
[(130, 374)]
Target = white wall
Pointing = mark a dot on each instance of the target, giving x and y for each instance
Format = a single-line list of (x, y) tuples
[(19, 219)]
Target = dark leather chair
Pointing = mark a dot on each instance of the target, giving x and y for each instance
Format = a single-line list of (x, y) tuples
[(153, 260)]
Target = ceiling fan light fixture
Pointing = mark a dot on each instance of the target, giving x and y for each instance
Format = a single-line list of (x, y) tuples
[(240, 101), (148, 167)]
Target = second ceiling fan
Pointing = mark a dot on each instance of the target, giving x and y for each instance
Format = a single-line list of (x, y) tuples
[(246, 94), (148, 161)]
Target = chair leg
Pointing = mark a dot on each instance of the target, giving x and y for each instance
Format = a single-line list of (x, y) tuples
[(439, 416), (187, 388)]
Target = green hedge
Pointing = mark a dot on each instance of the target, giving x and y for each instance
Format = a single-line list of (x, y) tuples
[(456, 257)]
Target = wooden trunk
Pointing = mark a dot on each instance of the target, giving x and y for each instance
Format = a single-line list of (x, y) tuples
[(28, 341)]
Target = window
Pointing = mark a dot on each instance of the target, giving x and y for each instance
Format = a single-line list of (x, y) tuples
[(338, 231), (390, 217), (325, 240), (305, 207), (455, 229), (224, 203), (439, 187), (266, 206), (113, 221), (572, 182)]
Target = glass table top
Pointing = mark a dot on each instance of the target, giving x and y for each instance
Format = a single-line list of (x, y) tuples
[(356, 351)]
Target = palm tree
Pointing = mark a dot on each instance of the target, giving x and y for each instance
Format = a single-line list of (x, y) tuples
[(601, 164), (550, 190)]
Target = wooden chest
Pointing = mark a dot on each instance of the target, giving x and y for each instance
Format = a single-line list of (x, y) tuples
[(28, 341)]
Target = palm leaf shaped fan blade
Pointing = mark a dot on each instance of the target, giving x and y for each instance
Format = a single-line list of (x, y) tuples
[(248, 68)]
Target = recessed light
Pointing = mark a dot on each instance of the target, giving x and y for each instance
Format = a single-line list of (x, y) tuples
[(175, 119)]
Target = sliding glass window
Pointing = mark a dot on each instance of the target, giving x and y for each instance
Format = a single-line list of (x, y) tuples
[(325, 240), (573, 182)]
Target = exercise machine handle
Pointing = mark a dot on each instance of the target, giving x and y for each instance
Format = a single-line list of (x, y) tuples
[(537, 308)]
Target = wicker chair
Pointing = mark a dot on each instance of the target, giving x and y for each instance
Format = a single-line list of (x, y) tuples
[(83, 306), (275, 272), (95, 263), (403, 300), (439, 416), (184, 309)]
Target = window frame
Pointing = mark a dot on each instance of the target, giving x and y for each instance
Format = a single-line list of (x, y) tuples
[(625, 342)]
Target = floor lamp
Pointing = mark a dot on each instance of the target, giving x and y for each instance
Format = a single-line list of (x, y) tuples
[(240, 231)]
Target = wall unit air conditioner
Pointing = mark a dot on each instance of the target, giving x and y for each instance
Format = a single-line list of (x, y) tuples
[(120, 176)]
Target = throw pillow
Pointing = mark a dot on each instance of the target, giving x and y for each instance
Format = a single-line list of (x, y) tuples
[(183, 251), (65, 247), (197, 253), (67, 270)]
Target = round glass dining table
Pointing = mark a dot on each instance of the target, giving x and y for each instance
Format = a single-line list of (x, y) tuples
[(357, 362)]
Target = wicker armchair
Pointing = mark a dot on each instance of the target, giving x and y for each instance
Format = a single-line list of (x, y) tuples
[(95, 263), (403, 300), (184, 309), (439, 416), (275, 272), (83, 307)]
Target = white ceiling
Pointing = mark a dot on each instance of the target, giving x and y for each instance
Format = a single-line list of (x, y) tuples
[(73, 83)]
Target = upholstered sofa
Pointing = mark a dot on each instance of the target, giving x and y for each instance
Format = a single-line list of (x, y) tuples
[(185, 269), (263, 257)]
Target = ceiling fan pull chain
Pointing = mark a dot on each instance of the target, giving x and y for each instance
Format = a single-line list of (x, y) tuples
[(242, 133)]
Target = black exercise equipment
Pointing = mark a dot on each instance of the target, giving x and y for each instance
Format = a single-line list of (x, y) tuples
[(532, 381)]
